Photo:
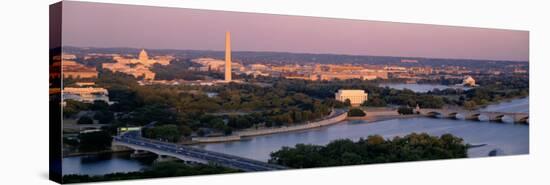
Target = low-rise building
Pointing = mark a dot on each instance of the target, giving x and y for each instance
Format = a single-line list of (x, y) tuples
[(343, 68), (363, 75), (71, 69), (137, 67), (210, 64), (356, 97), (286, 68), (258, 67), (86, 94)]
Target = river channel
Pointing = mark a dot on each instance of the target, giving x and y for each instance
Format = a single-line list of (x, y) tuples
[(504, 138)]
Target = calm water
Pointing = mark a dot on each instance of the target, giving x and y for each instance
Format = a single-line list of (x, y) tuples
[(421, 88), (104, 164), (516, 105), (507, 138)]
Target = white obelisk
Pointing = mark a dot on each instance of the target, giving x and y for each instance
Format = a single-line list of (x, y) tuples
[(227, 56)]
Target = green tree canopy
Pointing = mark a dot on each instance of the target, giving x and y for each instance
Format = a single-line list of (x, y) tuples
[(355, 112), (374, 149), (167, 132), (94, 141), (85, 120)]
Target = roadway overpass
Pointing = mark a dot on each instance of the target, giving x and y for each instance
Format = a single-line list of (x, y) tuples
[(516, 117), (133, 139)]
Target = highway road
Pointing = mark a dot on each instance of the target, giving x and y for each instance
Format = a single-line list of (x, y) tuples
[(226, 160)]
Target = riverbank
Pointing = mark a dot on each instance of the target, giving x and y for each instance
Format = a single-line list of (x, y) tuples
[(110, 151), (382, 114), (373, 115), (239, 135), (503, 139), (372, 119), (421, 87), (510, 138)]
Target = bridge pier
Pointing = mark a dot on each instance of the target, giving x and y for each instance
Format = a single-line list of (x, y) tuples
[(476, 115), (140, 153), (165, 158), (472, 116), (453, 115), (120, 148), (496, 118), (433, 114), (521, 119)]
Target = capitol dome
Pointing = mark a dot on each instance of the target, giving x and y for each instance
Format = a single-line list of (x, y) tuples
[(143, 55), (469, 81)]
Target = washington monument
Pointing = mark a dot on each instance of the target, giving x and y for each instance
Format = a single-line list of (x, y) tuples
[(227, 56)]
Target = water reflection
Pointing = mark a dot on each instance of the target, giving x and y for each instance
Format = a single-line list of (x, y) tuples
[(498, 139), (103, 164), (510, 138), (421, 88)]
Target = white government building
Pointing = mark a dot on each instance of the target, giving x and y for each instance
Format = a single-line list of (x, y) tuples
[(86, 94), (469, 81), (356, 97)]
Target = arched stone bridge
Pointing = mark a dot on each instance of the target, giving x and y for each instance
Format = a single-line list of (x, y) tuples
[(476, 115)]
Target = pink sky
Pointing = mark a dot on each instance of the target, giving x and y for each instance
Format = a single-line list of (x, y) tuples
[(111, 25)]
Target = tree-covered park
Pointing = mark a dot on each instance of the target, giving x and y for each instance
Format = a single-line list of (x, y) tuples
[(371, 150), (188, 110), (356, 112), (221, 109)]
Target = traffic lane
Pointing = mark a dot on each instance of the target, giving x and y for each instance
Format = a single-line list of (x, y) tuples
[(229, 157), (223, 161)]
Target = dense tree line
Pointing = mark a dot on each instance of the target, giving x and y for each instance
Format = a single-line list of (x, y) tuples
[(235, 106), (100, 111), (179, 69), (73, 107), (378, 96), (94, 141), (375, 101), (83, 120), (355, 112), (169, 133), (241, 106), (373, 149), (491, 89), (405, 110)]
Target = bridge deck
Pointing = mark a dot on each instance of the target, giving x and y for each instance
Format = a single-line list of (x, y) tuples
[(475, 114), (448, 111), (133, 140)]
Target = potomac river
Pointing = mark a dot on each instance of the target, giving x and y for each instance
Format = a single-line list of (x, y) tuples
[(421, 88), (504, 138)]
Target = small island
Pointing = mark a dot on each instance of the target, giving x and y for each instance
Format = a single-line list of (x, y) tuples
[(371, 150)]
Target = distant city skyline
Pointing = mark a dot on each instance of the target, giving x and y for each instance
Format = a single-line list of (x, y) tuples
[(114, 25)]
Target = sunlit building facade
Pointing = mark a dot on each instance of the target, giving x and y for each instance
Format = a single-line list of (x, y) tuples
[(71, 69), (356, 97), (137, 67), (86, 94)]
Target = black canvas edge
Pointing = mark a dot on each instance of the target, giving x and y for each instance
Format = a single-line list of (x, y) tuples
[(55, 83)]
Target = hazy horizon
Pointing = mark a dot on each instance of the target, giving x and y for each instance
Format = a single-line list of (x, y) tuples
[(233, 51), (101, 25)]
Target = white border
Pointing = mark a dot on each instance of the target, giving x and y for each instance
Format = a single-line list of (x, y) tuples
[(24, 43)]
